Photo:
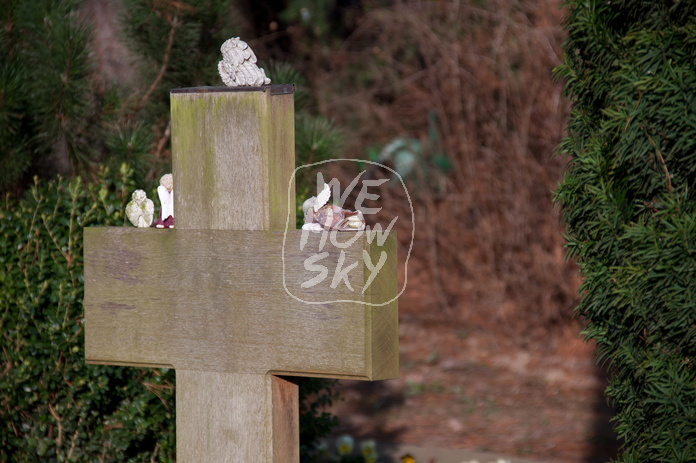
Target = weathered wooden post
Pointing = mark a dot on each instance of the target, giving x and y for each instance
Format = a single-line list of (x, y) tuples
[(210, 298)]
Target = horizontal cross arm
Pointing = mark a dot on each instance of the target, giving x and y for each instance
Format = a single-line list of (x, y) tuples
[(240, 301)]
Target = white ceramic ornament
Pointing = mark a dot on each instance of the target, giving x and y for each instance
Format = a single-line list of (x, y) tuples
[(238, 66), (316, 202), (140, 210), (166, 195)]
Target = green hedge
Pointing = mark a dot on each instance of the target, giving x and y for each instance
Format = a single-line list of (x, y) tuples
[(54, 407), (629, 202)]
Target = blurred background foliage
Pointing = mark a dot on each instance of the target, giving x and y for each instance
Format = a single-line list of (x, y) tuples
[(51, 111)]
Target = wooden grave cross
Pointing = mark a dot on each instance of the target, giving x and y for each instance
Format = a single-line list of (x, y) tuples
[(219, 297)]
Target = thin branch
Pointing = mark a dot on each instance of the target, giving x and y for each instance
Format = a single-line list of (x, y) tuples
[(662, 160), (165, 63), (154, 454), (74, 439), (59, 441), (163, 141), (9, 363), (50, 233), (158, 390)]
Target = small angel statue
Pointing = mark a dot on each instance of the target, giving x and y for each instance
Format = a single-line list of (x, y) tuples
[(318, 215), (238, 66), (166, 195), (140, 210)]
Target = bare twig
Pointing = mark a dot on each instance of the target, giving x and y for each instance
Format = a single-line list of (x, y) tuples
[(9, 362), (163, 141), (662, 161), (158, 390), (74, 439), (105, 446), (59, 441), (153, 459), (165, 63), (14, 428)]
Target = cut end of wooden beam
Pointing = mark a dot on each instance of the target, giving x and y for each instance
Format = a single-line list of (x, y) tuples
[(277, 89)]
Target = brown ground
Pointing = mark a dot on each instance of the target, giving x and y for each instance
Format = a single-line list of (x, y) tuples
[(491, 360), (473, 389), (487, 372)]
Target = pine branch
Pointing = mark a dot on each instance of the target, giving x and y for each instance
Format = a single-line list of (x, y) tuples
[(174, 23), (662, 161)]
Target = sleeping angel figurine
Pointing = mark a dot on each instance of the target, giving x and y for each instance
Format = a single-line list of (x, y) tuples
[(320, 215)]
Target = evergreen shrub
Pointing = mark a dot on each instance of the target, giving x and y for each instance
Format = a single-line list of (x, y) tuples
[(51, 109), (629, 202), (54, 407)]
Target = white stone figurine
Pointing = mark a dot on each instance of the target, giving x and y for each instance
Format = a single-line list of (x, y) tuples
[(318, 214), (238, 66), (166, 195), (140, 210)]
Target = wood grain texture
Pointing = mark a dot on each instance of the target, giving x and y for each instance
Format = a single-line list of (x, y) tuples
[(233, 158), (230, 308), (286, 419), (224, 417), (233, 154), (281, 162), (226, 307), (384, 320)]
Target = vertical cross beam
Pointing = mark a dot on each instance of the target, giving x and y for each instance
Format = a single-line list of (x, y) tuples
[(233, 159)]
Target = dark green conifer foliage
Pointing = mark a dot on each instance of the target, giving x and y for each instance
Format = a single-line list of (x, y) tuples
[(629, 202), (48, 103), (178, 44)]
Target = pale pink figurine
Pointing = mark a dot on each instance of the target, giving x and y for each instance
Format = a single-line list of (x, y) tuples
[(318, 214), (166, 195)]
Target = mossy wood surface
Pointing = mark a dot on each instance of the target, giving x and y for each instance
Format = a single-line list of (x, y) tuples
[(233, 159), (232, 150), (220, 297), (221, 408), (215, 300)]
